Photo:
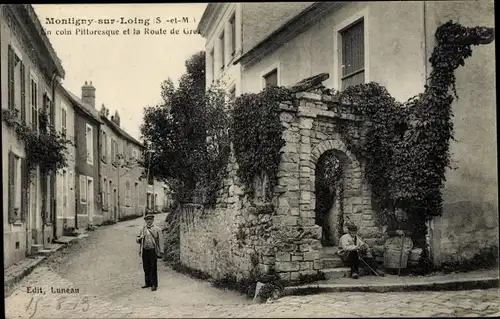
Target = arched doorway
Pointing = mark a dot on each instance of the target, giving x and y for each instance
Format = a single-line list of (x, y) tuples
[(329, 190)]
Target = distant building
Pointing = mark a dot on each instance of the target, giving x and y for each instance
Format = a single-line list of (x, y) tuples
[(159, 197), (86, 184), (122, 191), (29, 77)]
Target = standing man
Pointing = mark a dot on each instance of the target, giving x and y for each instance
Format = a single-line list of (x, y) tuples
[(352, 248), (149, 239)]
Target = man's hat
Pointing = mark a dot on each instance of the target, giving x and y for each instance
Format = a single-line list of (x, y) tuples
[(149, 216), (351, 226)]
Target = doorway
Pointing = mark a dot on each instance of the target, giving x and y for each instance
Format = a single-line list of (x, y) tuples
[(115, 205), (329, 189), (90, 199)]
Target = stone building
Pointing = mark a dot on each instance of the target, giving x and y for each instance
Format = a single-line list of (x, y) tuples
[(65, 179), (86, 183), (122, 191), (352, 42), (29, 76)]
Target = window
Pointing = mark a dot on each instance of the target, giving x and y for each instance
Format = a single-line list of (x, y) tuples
[(149, 201), (353, 55), (136, 189), (271, 78), (16, 83), (222, 51), (104, 146), (212, 64), (34, 102), (113, 151), (49, 108), (232, 94), (83, 188), (232, 27), (63, 121), (110, 185), (15, 187), (90, 145), (65, 189), (128, 194), (104, 194)]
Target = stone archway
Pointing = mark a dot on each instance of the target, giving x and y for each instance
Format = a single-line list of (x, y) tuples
[(352, 180)]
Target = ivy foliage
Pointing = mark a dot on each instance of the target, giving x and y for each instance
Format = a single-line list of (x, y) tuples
[(187, 135), (256, 132), (45, 148), (407, 145)]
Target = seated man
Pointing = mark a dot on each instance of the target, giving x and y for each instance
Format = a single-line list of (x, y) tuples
[(352, 249)]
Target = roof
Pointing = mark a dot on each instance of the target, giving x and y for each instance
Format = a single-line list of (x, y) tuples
[(50, 49), (288, 30), (205, 18), (82, 106), (120, 131), (25, 16)]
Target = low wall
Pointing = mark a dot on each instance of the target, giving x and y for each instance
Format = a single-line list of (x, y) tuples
[(462, 231)]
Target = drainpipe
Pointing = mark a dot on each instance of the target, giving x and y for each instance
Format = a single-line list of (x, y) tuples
[(424, 29), (55, 81), (99, 141)]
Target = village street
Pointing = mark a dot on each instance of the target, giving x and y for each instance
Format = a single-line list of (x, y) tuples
[(106, 269)]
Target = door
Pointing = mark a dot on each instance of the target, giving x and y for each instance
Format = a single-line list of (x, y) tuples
[(115, 207), (90, 200), (33, 209)]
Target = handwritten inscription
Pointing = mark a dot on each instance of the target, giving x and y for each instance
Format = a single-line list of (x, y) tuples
[(62, 302)]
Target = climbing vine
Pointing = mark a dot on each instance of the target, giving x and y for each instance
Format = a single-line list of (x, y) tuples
[(407, 145), (257, 135), (45, 148)]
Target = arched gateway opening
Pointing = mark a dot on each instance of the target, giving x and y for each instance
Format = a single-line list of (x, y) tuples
[(329, 198), (337, 188)]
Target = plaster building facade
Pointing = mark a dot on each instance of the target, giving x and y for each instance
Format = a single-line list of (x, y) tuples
[(65, 179), (389, 43), (87, 123), (29, 75), (122, 191)]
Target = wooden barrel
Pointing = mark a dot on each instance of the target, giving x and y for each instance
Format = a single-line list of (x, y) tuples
[(392, 252)]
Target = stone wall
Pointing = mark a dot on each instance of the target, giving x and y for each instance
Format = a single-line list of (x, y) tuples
[(281, 236)]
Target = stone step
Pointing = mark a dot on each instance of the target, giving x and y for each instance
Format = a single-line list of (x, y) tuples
[(332, 262), (336, 273), (36, 248)]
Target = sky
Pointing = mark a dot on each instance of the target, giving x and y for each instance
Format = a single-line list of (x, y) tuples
[(126, 69)]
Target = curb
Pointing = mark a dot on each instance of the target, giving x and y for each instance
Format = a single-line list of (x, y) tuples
[(9, 284), (454, 285)]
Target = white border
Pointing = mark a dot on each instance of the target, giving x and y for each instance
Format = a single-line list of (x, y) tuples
[(337, 48), (269, 69)]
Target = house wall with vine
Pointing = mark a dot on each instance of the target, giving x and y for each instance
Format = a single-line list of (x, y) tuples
[(33, 66), (470, 213), (396, 56)]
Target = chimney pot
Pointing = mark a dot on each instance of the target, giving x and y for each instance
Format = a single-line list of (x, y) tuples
[(88, 94)]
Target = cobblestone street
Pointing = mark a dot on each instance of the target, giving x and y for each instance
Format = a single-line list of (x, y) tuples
[(105, 269)]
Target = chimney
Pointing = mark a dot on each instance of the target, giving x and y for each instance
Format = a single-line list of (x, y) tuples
[(88, 94)]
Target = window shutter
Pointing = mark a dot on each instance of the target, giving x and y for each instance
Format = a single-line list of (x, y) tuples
[(23, 93), (10, 71), (24, 189), (12, 197)]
